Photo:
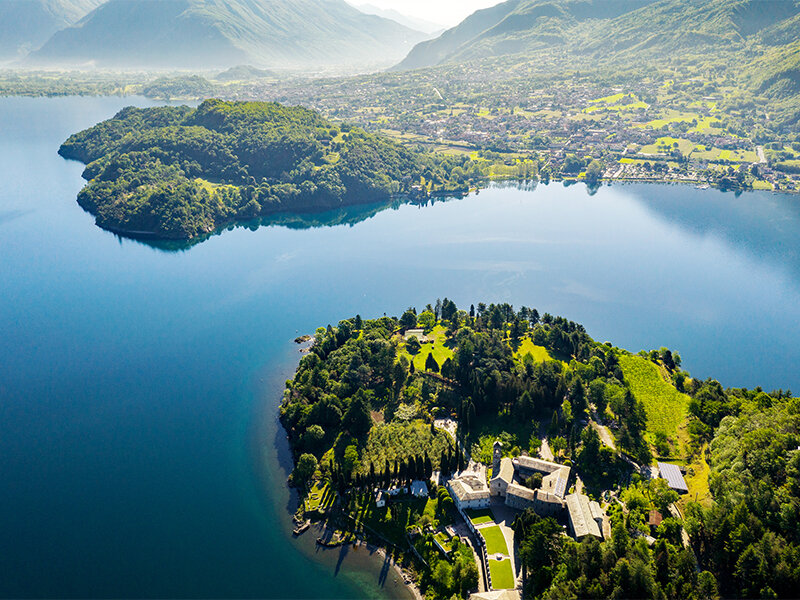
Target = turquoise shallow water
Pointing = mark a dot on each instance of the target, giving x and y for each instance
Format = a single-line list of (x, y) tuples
[(138, 387)]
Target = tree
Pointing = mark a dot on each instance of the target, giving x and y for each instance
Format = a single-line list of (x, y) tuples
[(558, 444), (431, 364), (412, 345), (443, 578), (427, 320), (594, 172), (591, 447), (358, 420), (350, 459), (409, 319), (597, 396), (566, 411), (305, 469), (313, 437), (534, 481)]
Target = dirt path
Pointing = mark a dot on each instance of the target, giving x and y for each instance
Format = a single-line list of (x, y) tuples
[(605, 435)]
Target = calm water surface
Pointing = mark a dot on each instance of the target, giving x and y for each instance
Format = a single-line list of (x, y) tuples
[(140, 454)]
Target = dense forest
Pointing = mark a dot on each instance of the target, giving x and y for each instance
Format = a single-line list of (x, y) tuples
[(361, 412), (180, 173)]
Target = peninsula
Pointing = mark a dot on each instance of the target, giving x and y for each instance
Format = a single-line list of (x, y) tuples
[(182, 173), (498, 452)]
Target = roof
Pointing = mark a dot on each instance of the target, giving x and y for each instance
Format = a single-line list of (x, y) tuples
[(547, 497), (520, 492), (594, 508), (580, 515), (654, 518), (418, 333), (674, 477), (536, 464), (556, 475), (506, 472), (556, 483), (418, 488), (496, 595), (470, 485)]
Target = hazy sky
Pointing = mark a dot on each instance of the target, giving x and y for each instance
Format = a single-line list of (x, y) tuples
[(446, 12)]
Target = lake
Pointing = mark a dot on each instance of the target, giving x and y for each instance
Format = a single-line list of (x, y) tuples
[(139, 387)]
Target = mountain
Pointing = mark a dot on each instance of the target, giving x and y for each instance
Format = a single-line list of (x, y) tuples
[(411, 22), (27, 24), (224, 33), (611, 28)]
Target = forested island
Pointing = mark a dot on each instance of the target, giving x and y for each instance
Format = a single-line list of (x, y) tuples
[(182, 173), (500, 449)]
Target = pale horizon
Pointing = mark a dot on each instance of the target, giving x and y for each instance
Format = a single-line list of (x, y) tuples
[(444, 12)]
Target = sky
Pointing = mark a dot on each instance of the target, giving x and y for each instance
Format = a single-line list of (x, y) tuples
[(444, 12)]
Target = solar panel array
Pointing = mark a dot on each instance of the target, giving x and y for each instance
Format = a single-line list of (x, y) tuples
[(673, 476), (561, 485)]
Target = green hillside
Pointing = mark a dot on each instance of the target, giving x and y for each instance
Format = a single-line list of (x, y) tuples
[(223, 33), (587, 34), (181, 173), (665, 406)]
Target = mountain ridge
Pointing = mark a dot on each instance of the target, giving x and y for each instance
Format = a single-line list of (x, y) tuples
[(27, 24), (611, 28), (223, 33)]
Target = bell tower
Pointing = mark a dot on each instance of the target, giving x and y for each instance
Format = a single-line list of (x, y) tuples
[(497, 457)]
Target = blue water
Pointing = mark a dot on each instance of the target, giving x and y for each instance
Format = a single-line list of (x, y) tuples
[(139, 450)]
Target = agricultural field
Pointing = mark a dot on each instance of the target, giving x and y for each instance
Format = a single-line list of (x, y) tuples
[(399, 441), (665, 406)]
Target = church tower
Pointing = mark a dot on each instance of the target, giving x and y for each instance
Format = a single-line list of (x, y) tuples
[(497, 457)]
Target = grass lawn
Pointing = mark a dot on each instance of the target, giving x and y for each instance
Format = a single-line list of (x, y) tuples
[(444, 541), (760, 184), (479, 516), (502, 575), (673, 116), (666, 144), (665, 406), (609, 99), (495, 542), (440, 351), (712, 154), (705, 124), (539, 353)]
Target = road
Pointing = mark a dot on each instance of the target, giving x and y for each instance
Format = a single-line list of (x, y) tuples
[(762, 159), (605, 435)]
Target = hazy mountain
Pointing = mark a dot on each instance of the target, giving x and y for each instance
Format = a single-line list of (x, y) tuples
[(411, 22), (223, 33), (607, 28), (27, 24)]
